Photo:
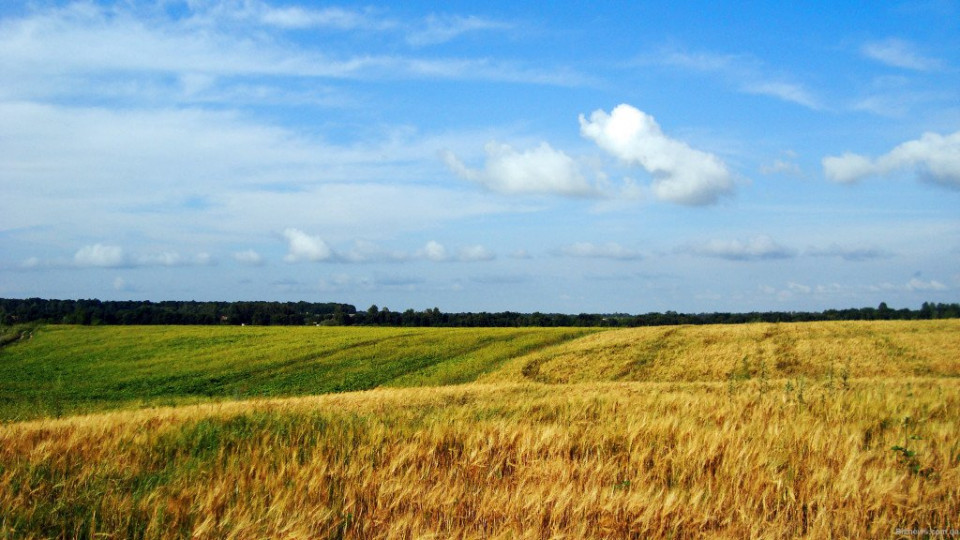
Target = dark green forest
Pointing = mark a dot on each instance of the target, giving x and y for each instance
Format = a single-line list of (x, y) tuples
[(94, 312)]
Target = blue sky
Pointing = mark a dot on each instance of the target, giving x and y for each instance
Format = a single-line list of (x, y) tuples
[(620, 157)]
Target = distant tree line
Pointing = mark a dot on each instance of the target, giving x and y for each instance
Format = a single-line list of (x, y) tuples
[(93, 312), (167, 312)]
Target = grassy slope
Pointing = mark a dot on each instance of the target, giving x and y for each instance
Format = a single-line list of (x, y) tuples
[(590, 460), (69, 369), (820, 350), (764, 431)]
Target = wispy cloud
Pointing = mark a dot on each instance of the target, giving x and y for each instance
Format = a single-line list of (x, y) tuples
[(899, 53), (849, 253), (745, 73), (259, 13), (248, 257), (475, 253), (610, 250), (756, 248), (139, 49), (917, 284), (365, 251), (785, 91), (437, 252), (442, 28), (782, 166)]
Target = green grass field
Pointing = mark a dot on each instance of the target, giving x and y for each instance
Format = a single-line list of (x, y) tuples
[(63, 370)]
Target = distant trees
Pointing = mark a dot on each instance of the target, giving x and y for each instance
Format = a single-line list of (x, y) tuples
[(13, 311), (91, 312)]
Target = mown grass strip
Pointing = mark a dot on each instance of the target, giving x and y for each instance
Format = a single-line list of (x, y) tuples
[(64, 370)]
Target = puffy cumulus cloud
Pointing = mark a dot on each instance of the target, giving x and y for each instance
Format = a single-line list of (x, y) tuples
[(249, 257), (542, 170), (681, 174), (898, 53), (100, 255), (610, 250), (304, 247), (933, 157), (757, 248)]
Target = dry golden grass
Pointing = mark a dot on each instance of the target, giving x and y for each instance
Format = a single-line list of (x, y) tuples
[(601, 460), (717, 352), (815, 454)]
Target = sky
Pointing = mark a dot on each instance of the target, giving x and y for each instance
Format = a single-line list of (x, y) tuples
[(565, 157)]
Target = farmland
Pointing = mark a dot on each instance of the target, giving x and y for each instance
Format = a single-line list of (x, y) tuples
[(762, 430)]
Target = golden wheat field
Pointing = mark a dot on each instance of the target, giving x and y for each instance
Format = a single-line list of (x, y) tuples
[(814, 430)]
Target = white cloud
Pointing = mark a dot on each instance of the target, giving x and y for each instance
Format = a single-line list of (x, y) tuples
[(286, 17), (100, 255), (793, 93), (610, 250), (744, 72), (898, 53), (439, 29), (303, 247), (437, 252), (780, 166), (166, 258), (849, 253), (434, 251), (475, 253), (110, 256), (933, 157), (31, 262), (132, 45), (799, 288), (249, 257), (367, 251), (757, 248), (847, 168), (917, 284), (60, 164), (681, 174), (541, 170)]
